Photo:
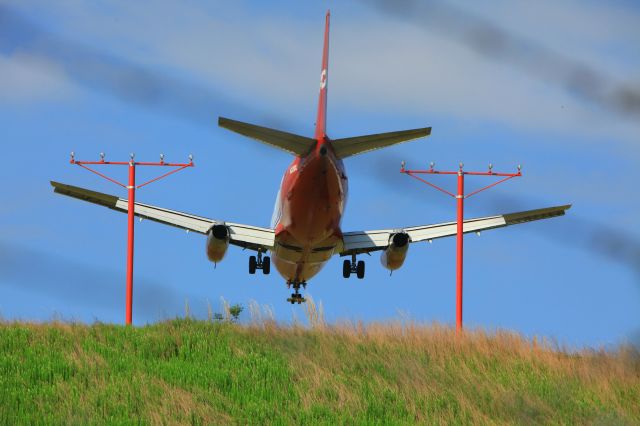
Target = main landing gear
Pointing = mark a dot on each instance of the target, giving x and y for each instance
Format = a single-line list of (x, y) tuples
[(260, 263), (351, 267), (296, 297)]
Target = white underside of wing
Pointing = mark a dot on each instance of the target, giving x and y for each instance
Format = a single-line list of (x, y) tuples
[(169, 217), (247, 236), (244, 235), (379, 239), (365, 241)]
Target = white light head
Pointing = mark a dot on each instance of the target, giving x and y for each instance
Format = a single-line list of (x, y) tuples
[(519, 168), (102, 156), (73, 154), (490, 166), (132, 156), (432, 165), (162, 158), (402, 164), (191, 157), (461, 165)]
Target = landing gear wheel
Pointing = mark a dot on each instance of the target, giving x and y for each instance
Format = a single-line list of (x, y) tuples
[(252, 264), (346, 268), (266, 265), (360, 269), (296, 297)]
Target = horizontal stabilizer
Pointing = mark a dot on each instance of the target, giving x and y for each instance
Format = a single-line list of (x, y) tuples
[(294, 144), (357, 145)]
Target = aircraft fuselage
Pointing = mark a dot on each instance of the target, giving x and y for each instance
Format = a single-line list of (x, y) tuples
[(308, 212)]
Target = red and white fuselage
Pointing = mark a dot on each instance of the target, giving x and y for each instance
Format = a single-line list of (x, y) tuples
[(311, 200), (308, 212)]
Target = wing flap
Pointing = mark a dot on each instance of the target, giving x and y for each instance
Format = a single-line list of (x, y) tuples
[(347, 147), (247, 236), (294, 144)]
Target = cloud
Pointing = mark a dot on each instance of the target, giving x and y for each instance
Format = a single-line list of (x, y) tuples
[(72, 283), (112, 74), (487, 39), (28, 78), (220, 56)]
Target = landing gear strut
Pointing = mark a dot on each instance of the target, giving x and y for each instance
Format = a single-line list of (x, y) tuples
[(296, 297), (259, 263), (352, 267)]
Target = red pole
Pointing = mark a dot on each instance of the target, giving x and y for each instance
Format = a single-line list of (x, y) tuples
[(131, 187), (460, 222), (459, 249), (131, 221)]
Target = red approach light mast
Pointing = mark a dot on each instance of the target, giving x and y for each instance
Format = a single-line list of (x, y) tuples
[(131, 187), (460, 197)]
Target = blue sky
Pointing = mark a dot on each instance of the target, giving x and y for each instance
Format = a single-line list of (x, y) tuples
[(153, 77)]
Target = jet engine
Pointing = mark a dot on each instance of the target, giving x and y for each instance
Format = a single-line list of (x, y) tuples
[(217, 242), (393, 256)]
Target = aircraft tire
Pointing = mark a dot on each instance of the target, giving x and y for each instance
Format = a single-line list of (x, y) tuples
[(346, 268), (266, 265), (360, 269), (252, 264)]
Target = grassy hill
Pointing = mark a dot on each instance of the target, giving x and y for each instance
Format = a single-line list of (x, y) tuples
[(206, 372)]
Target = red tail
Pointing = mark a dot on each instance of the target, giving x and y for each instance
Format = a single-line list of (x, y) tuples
[(321, 120)]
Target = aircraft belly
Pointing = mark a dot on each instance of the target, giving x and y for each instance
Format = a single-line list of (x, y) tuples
[(301, 263), (298, 270)]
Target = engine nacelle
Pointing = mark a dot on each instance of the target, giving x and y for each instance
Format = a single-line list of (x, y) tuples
[(393, 257), (217, 242)]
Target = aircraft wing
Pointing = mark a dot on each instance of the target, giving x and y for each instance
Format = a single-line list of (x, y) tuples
[(368, 241), (246, 236)]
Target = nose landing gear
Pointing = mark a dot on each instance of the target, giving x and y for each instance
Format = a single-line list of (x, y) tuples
[(352, 267), (296, 297), (259, 263)]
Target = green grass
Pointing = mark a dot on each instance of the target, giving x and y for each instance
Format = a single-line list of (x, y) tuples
[(200, 372)]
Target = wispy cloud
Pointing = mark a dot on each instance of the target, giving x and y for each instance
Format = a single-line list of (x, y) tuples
[(101, 71), (488, 39), (219, 57), (72, 283), (29, 78)]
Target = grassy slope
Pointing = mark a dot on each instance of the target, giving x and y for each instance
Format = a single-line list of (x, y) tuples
[(197, 372)]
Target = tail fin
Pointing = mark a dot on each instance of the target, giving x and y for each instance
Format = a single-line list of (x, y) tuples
[(321, 120)]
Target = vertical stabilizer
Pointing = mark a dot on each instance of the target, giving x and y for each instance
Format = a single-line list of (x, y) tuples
[(321, 120)]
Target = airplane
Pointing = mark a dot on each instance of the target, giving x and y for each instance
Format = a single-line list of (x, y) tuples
[(305, 229)]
